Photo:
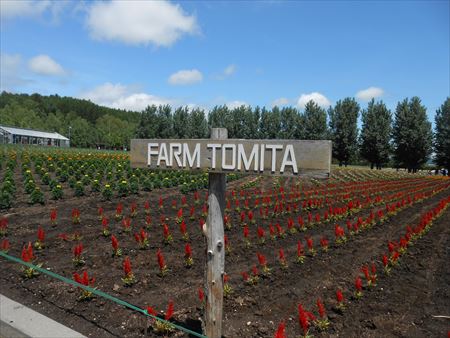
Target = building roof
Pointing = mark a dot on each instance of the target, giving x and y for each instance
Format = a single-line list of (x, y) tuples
[(33, 133)]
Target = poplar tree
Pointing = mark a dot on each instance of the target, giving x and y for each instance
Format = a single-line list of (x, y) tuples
[(344, 130), (412, 135), (314, 122), (442, 137), (376, 134)]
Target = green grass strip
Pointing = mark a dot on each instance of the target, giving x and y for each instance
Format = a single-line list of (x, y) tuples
[(98, 293)]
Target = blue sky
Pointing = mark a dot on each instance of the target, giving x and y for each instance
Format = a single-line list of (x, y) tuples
[(130, 54)]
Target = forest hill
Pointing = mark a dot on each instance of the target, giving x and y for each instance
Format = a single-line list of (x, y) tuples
[(273, 157)]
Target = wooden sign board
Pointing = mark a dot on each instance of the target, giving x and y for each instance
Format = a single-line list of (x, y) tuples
[(264, 157)]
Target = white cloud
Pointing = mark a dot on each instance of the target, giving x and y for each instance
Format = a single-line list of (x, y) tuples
[(12, 9), (318, 98), (186, 77), (122, 97), (45, 65), (369, 93), (236, 104), (139, 22), (282, 101), (10, 72), (230, 70)]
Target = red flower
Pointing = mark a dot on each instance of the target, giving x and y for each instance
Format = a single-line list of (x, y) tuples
[(53, 215), (303, 319), (27, 253), (246, 231), (151, 311), (280, 331), (358, 283), (300, 249), (40, 234), (187, 251), (260, 232), (365, 270), (309, 242), (321, 308), (169, 312), (244, 276), (339, 296), (5, 245), (127, 267), (385, 260), (261, 259), (114, 243), (161, 263), (201, 295)]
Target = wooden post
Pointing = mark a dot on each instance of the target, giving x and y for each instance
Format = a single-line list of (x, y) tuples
[(215, 254)]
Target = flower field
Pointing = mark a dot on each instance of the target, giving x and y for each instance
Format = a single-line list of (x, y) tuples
[(361, 254)]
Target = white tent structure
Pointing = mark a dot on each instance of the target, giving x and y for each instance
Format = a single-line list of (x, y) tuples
[(13, 135)]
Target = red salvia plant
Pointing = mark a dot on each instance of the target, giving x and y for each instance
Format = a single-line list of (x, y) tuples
[(358, 287), (100, 213), (246, 239), (179, 217), (273, 234), (160, 203), (227, 244), (53, 217), (166, 327), (263, 263), (394, 258), (192, 213), (147, 207), (339, 234), (75, 216), (115, 245), (188, 260), (167, 235), (174, 204), (281, 331), (301, 223), (201, 297), (324, 243), (126, 224), (227, 289), (255, 275), (28, 257), (300, 252), (128, 278), (196, 198), (204, 212), (39, 244), (86, 281), (184, 203), (119, 210), (3, 226), (322, 322), (280, 232), (183, 231), (261, 235), (291, 226), (251, 217), (227, 222), (242, 217), (105, 227), (63, 236), (5, 245), (133, 210), (77, 259), (385, 261), (148, 221), (310, 244), (163, 270), (373, 276), (340, 300), (304, 318), (282, 259), (142, 239)]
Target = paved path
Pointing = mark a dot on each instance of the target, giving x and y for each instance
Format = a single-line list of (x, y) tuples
[(19, 321)]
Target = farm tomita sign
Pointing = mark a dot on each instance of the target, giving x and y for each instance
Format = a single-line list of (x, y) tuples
[(267, 157)]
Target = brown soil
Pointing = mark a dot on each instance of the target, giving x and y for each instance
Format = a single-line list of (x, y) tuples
[(402, 304)]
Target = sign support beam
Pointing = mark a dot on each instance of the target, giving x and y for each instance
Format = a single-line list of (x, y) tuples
[(215, 254)]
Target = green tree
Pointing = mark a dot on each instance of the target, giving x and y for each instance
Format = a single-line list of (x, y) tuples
[(314, 122), (147, 126), (412, 134), (376, 134), (344, 130), (164, 121), (270, 123), (180, 122), (197, 126), (442, 136), (289, 123)]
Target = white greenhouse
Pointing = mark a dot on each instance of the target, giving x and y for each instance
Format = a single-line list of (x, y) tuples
[(13, 135)]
